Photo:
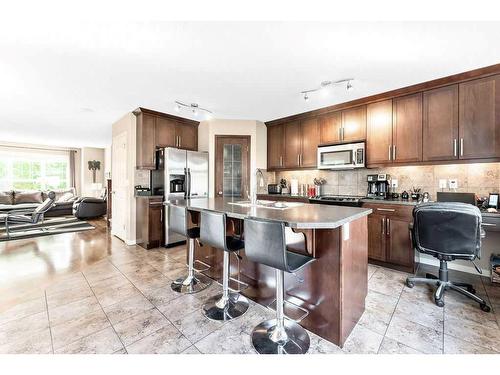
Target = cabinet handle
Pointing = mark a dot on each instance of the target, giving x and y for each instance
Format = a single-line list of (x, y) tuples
[(461, 147), (393, 152), (281, 161), (383, 225), (180, 143), (386, 209), (340, 134), (455, 147), (390, 152), (388, 226), (298, 159)]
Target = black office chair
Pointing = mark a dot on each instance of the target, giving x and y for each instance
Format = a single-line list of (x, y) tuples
[(266, 243), (447, 231)]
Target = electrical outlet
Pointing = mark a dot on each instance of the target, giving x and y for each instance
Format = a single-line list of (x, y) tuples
[(453, 182), (394, 183), (442, 184)]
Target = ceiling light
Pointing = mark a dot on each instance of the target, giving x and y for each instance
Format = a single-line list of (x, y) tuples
[(194, 108), (306, 97), (325, 84), (349, 86)]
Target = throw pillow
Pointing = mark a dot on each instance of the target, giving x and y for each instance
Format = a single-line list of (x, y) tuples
[(7, 197), (28, 197)]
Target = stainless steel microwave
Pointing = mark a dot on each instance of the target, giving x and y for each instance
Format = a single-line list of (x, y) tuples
[(345, 156)]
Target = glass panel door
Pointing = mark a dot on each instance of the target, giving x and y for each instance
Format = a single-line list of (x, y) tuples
[(232, 170), (232, 166)]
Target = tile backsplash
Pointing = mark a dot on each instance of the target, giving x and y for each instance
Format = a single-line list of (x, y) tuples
[(482, 179)]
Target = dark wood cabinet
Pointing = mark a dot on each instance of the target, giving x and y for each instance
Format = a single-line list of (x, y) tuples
[(275, 149), (479, 118), (149, 222), (165, 132), (293, 144), (310, 135), (379, 133), (376, 237), (155, 130), (440, 124), (389, 241), (146, 141), (354, 124), (407, 129), (330, 127)]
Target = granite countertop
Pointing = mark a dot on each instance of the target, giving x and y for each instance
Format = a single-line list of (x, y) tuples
[(303, 216)]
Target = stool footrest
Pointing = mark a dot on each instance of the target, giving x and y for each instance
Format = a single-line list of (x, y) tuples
[(207, 266), (300, 318)]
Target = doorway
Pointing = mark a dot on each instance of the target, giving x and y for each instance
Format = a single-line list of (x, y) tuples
[(232, 166), (120, 186)]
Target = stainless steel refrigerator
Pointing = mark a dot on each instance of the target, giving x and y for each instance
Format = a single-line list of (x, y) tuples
[(186, 177)]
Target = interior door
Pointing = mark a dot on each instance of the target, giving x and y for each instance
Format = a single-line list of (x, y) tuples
[(379, 132), (120, 186), (440, 124), (407, 129), (232, 166), (310, 141)]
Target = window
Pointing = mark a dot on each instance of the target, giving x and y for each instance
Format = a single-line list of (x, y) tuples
[(33, 170)]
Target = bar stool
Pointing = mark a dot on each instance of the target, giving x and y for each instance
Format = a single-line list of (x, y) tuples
[(266, 243), (224, 306), (192, 283)]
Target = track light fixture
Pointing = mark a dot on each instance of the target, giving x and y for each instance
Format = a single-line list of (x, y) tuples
[(193, 107), (326, 84)]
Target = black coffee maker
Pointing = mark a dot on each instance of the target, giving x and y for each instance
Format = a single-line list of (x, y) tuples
[(378, 186)]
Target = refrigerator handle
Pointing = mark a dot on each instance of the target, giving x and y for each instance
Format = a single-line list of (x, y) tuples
[(189, 181), (186, 183)]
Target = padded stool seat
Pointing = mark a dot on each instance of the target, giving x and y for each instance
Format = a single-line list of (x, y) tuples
[(193, 232)]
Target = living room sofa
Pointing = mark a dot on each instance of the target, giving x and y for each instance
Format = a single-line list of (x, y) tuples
[(19, 200)]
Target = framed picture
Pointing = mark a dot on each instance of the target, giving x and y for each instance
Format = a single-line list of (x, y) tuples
[(493, 200)]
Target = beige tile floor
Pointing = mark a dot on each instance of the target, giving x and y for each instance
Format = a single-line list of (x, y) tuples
[(123, 304)]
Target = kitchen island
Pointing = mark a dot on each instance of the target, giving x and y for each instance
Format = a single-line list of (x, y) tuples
[(332, 289)]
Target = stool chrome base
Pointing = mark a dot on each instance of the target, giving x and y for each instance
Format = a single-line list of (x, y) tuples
[(297, 341), (216, 309), (195, 284)]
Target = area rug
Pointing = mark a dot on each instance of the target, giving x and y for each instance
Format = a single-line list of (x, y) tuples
[(49, 226)]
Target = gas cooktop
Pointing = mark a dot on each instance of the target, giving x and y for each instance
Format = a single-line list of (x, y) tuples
[(344, 200)]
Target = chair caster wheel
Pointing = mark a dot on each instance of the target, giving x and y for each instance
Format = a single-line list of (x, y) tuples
[(439, 302), (409, 283), (485, 307)]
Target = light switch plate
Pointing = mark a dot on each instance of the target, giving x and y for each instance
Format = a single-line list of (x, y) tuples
[(394, 183), (442, 183), (453, 183)]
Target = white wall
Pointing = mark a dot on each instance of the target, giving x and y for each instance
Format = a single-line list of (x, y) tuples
[(88, 154), (258, 143)]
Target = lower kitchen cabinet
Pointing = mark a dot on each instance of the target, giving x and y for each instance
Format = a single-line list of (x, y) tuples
[(389, 242), (149, 222)]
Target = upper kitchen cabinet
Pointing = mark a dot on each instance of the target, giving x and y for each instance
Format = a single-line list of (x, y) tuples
[(275, 149), (293, 144), (379, 132), (479, 118), (166, 132), (407, 129), (354, 124), (330, 128), (146, 141), (310, 135), (440, 124), (156, 130)]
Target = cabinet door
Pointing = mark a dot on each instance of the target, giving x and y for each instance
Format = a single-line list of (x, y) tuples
[(330, 127), (440, 124), (165, 132), (399, 249), (479, 118), (146, 142), (275, 147), (407, 129), (379, 132), (376, 237), (187, 136), (354, 124), (292, 144), (310, 141), (155, 224)]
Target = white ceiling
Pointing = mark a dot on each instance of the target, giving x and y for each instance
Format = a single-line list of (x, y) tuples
[(65, 84)]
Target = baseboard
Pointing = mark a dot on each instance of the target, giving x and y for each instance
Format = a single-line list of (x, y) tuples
[(130, 242), (455, 266)]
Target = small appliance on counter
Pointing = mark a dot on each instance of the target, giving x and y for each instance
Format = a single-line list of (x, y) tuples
[(294, 186), (273, 189), (405, 195), (284, 188), (319, 183), (378, 186), (415, 194), (142, 191)]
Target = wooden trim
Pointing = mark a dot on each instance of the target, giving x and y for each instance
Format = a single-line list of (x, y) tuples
[(413, 89), (140, 110)]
